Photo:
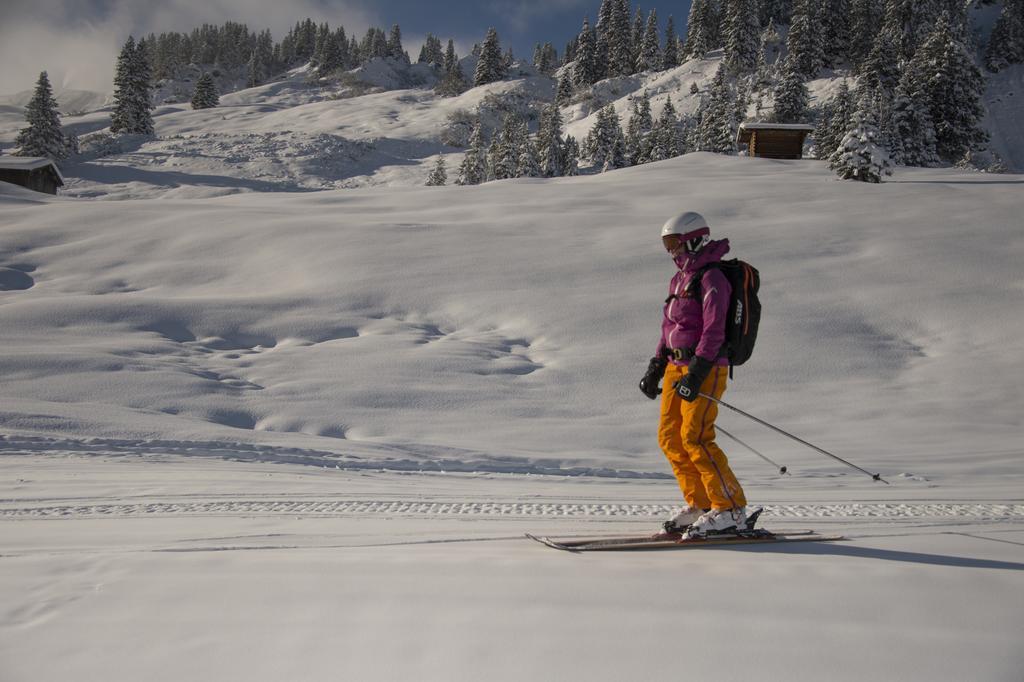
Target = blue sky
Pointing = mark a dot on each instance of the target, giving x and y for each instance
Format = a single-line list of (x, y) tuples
[(82, 37)]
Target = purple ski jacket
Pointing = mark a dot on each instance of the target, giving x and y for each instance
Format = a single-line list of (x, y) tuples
[(695, 324)]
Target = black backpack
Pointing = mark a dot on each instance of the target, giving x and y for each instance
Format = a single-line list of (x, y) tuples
[(744, 308)]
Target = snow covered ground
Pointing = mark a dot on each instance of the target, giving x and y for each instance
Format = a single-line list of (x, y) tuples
[(285, 585), (299, 435)]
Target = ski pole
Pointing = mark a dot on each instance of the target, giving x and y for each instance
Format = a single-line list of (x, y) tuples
[(876, 477), (782, 469)]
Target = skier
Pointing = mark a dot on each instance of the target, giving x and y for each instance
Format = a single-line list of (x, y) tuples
[(691, 361)]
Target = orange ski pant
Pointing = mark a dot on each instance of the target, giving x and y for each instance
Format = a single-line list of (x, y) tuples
[(686, 435)]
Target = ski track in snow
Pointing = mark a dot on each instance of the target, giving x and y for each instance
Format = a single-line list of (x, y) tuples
[(286, 507), (411, 457)]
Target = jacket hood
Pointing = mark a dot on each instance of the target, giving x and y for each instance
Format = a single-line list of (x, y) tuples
[(711, 253)]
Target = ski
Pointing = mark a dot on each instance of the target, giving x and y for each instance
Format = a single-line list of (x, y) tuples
[(676, 541)]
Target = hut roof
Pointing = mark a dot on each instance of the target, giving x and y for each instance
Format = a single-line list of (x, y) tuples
[(29, 164), (757, 125)]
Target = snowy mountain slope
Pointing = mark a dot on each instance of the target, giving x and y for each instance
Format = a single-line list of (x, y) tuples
[(295, 134), (289, 135), (69, 101), (512, 319)]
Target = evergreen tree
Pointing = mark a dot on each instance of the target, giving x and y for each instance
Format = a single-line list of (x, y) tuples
[(261, 61), (822, 133), (205, 95), (836, 24), (860, 157), (142, 87), (509, 149), (666, 138), (323, 36), (619, 40), (431, 53), (451, 60), (355, 55), (954, 87), (491, 66), (257, 69), (699, 30), (649, 57), (717, 130), (865, 25), (841, 120), (493, 154), (670, 57), (330, 57), (605, 143), (880, 71), (767, 56), (603, 32), (132, 100), (908, 22), (545, 58), (636, 39), (528, 165), (122, 118), (585, 69), (569, 55), (638, 131), (834, 120), (571, 158), (1006, 45), (617, 159), (912, 121), (775, 11), (394, 45), (742, 29), (453, 82), (549, 142), (715, 15), (508, 60), (791, 95), (550, 58), (473, 170), (439, 175), (564, 92), (806, 38), (42, 136)]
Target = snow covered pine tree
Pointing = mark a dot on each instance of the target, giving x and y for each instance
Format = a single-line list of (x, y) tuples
[(205, 95), (439, 175), (860, 157), (42, 136)]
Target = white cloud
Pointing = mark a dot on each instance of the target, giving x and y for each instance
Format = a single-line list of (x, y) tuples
[(77, 42)]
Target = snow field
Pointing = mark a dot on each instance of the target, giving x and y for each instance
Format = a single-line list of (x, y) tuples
[(414, 593), (369, 320)]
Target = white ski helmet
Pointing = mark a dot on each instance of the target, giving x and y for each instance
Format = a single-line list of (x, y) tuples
[(685, 223)]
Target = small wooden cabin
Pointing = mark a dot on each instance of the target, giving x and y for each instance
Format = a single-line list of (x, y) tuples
[(774, 140), (34, 172)]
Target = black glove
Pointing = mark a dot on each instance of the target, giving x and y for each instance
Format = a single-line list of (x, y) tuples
[(655, 370), (688, 387)]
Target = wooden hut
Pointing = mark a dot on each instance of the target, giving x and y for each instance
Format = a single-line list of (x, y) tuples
[(34, 172), (774, 140)]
